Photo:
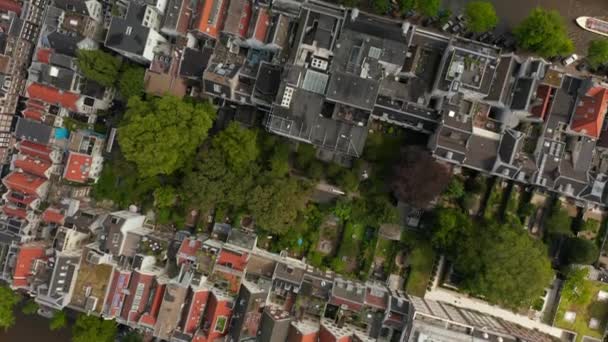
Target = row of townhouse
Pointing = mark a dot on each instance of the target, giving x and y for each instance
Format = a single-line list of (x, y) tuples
[(321, 74), (222, 287), (47, 167)]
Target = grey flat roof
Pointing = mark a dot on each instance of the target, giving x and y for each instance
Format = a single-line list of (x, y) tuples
[(33, 131), (352, 90)]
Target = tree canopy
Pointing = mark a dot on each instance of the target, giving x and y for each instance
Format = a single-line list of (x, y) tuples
[(558, 222), (597, 53), (161, 134), (237, 144), (419, 178), (488, 258), (59, 321), (544, 32), (381, 6), (8, 300), (428, 8), (30, 307), (480, 16), (579, 251), (164, 196), (98, 66), (131, 82), (276, 203), (91, 328), (490, 262)]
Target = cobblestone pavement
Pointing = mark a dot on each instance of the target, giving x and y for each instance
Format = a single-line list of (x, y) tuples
[(511, 12)]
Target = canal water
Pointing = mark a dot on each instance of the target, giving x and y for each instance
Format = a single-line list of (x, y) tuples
[(33, 328)]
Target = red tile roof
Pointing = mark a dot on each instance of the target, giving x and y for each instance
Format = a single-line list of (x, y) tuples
[(34, 166), (216, 307), (77, 167), (52, 215), (590, 112), (19, 198), (132, 309), (15, 212), (28, 253), (44, 55), (378, 300), (24, 183), (116, 294), (353, 306), (149, 318), (234, 260), (195, 311), (35, 150), (211, 17), (543, 93), (32, 114), (261, 25), (9, 5), (54, 96), (188, 249)]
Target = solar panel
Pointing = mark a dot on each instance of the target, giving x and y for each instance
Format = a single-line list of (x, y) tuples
[(315, 82)]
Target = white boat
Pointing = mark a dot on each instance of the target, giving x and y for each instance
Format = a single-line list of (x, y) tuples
[(593, 24)]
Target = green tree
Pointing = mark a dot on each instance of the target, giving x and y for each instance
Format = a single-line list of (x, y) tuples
[(480, 16), (490, 260), (8, 300), (559, 222), (238, 144), (279, 161), (98, 66), (544, 32), (406, 6), (276, 204), (164, 197), (131, 82), (450, 227), (161, 134), (455, 189), (381, 6), (428, 8), (91, 328), (59, 321), (597, 53), (579, 251), (30, 307), (576, 289), (132, 336)]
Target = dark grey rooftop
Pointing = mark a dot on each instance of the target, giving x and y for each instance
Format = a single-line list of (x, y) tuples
[(352, 90), (194, 62), (62, 43), (76, 6), (128, 34), (267, 81), (481, 152), (56, 76), (33, 131)]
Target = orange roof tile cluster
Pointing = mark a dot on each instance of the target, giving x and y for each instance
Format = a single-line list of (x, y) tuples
[(35, 150), (216, 307), (10, 5), (234, 260), (149, 318), (15, 212), (19, 198), (543, 93), (51, 95), (77, 167), (590, 112), (52, 215), (195, 312), (44, 55), (23, 182), (133, 309), (28, 253), (262, 24), (188, 250), (211, 17), (34, 166), (117, 292)]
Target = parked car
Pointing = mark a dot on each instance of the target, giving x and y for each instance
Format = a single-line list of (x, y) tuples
[(571, 59)]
